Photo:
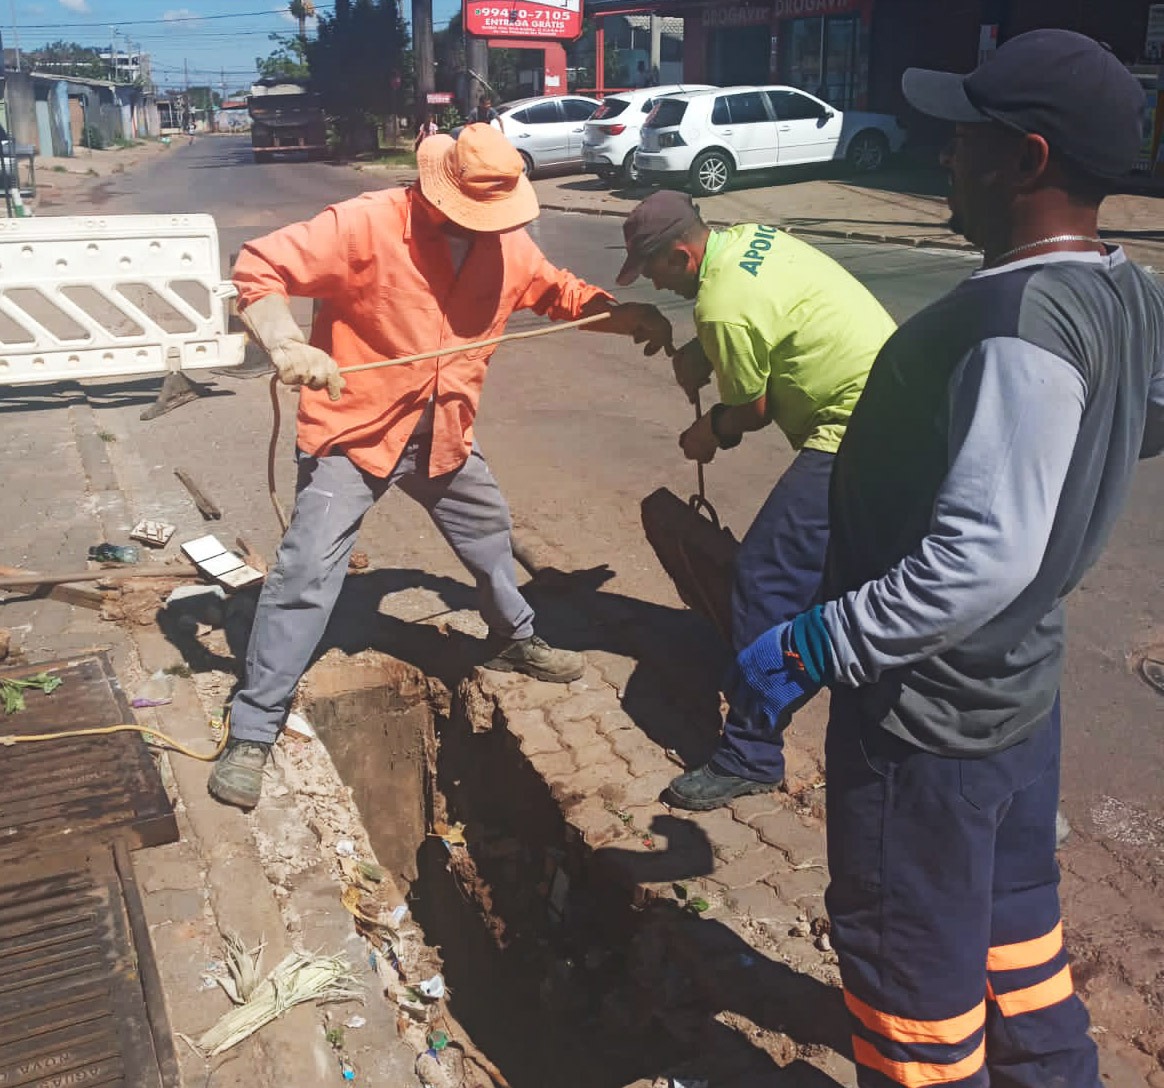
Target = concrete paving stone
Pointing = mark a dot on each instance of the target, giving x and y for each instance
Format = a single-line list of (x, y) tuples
[(590, 680), (751, 867), (761, 903), (805, 887), (530, 694), (800, 840), (591, 777), (613, 721), (592, 820), (729, 838), (645, 789), (616, 670), (584, 704), (173, 867), (747, 809), (578, 734), (641, 753), (554, 766), (175, 906), (533, 735), (598, 750)]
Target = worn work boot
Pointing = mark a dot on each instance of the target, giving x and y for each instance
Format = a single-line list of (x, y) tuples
[(537, 658), (237, 778), (703, 789)]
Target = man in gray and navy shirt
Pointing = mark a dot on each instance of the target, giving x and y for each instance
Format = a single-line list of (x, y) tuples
[(981, 476)]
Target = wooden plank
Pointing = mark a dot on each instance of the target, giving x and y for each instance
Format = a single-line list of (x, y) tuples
[(67, 593), (209, 509)]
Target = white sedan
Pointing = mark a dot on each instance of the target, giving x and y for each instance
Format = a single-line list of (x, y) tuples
[(547, 131), (706, 137)]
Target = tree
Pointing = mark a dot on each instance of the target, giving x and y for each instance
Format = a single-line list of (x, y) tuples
[(287, 61), (204, 98), (357, 64), (67, 59)]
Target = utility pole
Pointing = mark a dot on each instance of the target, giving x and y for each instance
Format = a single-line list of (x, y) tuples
[(422, 51), (112, 54), (186, 117), (15, 36)]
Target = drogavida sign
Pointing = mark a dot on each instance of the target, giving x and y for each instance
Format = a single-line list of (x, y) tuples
[(815, 7)]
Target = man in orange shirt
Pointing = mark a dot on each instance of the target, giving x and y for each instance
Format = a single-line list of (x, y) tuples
[(440, 264)]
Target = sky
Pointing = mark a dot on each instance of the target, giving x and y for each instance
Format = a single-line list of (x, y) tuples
[(217, 39)]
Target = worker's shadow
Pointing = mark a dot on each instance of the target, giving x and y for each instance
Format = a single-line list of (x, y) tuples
[(672, 660)]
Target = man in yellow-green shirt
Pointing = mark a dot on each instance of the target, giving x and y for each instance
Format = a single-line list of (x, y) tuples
[(790, 337)]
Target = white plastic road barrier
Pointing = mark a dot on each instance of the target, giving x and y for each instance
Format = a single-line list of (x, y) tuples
[(111, 296)]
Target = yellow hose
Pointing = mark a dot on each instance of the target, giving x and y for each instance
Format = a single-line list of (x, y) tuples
[(151, 736)]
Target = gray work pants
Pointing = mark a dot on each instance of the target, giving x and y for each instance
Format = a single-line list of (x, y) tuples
[(333, 495)]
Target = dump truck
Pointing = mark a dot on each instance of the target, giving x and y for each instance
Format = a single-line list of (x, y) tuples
[(286, 116)]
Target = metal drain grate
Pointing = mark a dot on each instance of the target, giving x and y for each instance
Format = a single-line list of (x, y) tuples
[(80, 997), (54, 793)]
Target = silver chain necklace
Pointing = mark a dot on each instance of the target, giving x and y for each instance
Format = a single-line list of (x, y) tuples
[(1046, 242)]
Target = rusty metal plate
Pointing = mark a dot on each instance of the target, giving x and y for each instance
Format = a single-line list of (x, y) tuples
[(97, 787), (80, 996)]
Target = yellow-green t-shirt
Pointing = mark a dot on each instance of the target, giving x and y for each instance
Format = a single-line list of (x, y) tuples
[(777, 316)]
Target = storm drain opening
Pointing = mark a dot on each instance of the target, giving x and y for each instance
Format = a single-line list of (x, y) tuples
[(556, 969), (534, 956)]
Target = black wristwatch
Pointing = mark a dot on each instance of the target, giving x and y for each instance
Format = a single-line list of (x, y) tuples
[(718, 410)]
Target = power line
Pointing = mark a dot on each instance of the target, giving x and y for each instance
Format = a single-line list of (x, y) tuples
[(160, 22)]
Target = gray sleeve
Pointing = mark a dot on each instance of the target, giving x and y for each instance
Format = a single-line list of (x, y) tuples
[(1014, 418), (1153, 443)]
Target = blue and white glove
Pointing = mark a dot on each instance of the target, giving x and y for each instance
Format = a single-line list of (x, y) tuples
[(782, 669)]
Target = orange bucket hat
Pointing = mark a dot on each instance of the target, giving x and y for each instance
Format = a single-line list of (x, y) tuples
[(478, 180)]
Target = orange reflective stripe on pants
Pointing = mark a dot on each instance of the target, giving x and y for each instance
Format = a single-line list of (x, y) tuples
[(918, 1074), (1023, 954), (900, 1029), (1039, 996)]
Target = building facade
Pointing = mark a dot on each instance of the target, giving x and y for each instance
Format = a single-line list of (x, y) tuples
[(852, 52)]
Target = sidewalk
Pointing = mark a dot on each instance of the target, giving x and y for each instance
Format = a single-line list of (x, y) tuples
[(899, 206)]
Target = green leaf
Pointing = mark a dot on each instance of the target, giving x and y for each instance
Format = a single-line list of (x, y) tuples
[(698, 905)]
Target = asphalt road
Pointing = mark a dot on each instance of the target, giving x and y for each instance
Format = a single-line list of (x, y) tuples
[(579, 428)]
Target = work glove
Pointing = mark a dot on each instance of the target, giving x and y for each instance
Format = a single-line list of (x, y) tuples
[(692, 368), (645, 323), (269, 320), (781, 670)]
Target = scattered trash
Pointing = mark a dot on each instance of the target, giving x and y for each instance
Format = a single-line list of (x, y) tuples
[(243, 969), (345, 848), (358, 561), (356, 1022), (154, 533), (298, 726), (362, 873), (115, 553), (433, 988), (437, 1041), (1153, 673), (823, 943), (453, 835), (12, 690), (158, 690), (346, 1070), (212, 558), (297, 979)]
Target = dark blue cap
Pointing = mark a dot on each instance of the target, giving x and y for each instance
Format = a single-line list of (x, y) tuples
[(1057, 84)]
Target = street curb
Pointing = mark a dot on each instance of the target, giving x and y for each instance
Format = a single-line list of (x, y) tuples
[(819, 232)]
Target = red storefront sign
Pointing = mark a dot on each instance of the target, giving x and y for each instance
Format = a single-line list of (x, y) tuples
[(548, 20), (736, 15)]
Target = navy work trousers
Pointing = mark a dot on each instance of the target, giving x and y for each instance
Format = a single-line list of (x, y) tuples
[(778, 572), (944, 906)]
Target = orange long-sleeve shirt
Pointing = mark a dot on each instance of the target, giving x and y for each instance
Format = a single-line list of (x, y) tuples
[(385, 276)]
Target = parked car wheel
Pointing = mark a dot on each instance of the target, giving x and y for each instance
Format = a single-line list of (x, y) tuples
[(711, 172), (527, 164), (630, 172), (868, 152)]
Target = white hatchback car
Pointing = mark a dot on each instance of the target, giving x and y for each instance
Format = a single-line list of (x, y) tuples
[(706, 137), (611, 136), (547, 131)]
